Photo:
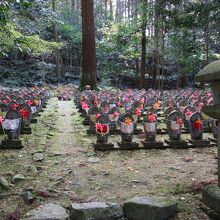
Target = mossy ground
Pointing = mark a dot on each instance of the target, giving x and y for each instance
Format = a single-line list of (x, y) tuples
[(69, 177)]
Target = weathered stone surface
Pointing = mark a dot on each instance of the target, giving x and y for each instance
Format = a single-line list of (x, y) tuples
[(4, 184), (17, 178), (48, 212), (93, 160), (28, 196), (210, 73), (38, 157), (32, 169), (211, 197), (96, 211), (146, 208)]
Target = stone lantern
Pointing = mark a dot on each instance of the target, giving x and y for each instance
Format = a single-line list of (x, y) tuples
[(211, 74)]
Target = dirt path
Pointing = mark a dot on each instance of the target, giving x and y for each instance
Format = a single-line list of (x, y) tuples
[(65, 136), (73, 172)]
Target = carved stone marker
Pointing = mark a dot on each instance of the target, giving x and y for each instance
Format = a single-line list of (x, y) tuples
[(150, 130), (11, 126), (211, 73), (127, 132), (174, 128), (25, 113), (102, 132)]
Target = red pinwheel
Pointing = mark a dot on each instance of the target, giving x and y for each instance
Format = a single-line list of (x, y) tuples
[(1, 119), (96, 102), (151, 118), (188, 113), (198, 124), (138, 112), (97, 115), (29, 102), (201, 104), (119, 104), (14, 106), (101, 128), (116, 114), (141, 107), (24, 114), (85, 106), (5, 101), (179, 121)]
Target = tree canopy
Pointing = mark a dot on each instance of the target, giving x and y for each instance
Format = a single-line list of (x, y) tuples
[(181, 37)]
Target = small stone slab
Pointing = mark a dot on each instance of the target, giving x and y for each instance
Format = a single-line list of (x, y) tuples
[(18, 178), (38, 157), (86, 122), (37, 114), (4, 184), (48, 212), (11, 144), (153, 145), (161, 131), (129, 146), (103, 147), (34, 121), (211, 197), (138, 131), (96, 211), (147, 208), (90, 131), (115, 131), (94, 160), (177, 144), (200, 143), (26, 131)]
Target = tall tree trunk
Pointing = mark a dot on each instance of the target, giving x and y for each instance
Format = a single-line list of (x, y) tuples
[(106, 9), (73, 3), (143, 57), (111, 11), (163, 52), (206, 45), (57, 51), (143, 46), (129, 9), (156, 49), (88, 45)]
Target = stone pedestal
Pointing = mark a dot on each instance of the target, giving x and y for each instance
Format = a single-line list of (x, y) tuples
[(91, 131), (11, 144), (153, 145), (86, 122), (138, 131), (26, 131), (1, 131), (103, 146), (211, 197), (114, 131), (128, 146), (34, 121), (177, 144), (211, 73), (199, 143)]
